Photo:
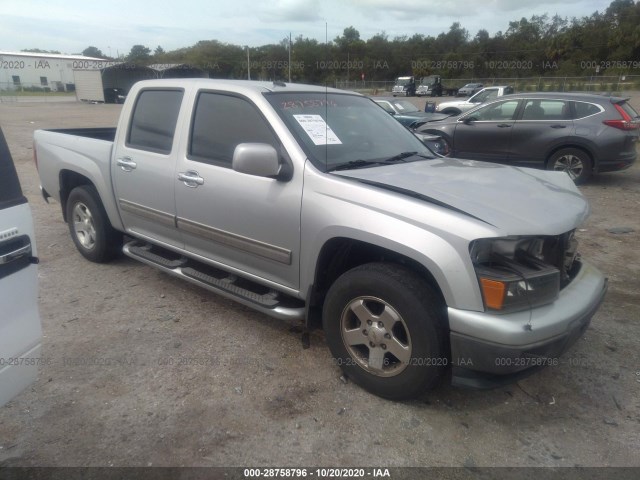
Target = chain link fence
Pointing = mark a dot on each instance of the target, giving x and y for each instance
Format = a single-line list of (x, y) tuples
[(26, 92)]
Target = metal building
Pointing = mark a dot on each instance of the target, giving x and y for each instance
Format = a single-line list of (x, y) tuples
[(178, 70), (42, 72), (112, 82)]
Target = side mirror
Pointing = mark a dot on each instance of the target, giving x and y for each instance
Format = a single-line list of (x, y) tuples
[(468, 120), (259, 159)]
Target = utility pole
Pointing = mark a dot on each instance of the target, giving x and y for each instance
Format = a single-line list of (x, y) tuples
[(248, 65), (289, 57)]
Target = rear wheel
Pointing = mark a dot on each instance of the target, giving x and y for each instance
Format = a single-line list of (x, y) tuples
[(576, 163), (89, 225), (385, 327)]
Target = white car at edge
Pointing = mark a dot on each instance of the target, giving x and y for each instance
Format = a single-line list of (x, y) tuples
[(20, 327)]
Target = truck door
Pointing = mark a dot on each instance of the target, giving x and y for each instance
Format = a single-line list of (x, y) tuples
[(236, 220), (143, 170), (20, 330)]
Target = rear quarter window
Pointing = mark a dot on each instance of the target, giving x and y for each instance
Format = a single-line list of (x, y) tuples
[(10, 191), (154, 119), (584, 109)]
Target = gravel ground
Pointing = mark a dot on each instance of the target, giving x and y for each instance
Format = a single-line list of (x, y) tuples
[(144, 369)]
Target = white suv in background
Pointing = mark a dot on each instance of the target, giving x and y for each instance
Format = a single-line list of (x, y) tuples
[(20, 328)]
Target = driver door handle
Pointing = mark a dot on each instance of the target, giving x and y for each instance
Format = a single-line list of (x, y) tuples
[(191, 178), (503, 125), (126, 164), (558, 126)]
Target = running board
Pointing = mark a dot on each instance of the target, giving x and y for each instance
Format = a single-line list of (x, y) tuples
[(264, 299)]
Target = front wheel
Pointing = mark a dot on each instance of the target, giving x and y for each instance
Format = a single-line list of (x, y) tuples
[(574, 162), (385, 327), (89, 225)]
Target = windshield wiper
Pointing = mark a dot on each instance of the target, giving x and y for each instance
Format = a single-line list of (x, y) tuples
[(354, 164), (400, 157)]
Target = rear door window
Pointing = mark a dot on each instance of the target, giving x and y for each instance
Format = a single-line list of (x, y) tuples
[(153, 123), (540, 109)]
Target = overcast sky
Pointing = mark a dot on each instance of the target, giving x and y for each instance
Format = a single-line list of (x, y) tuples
[(115, 25)]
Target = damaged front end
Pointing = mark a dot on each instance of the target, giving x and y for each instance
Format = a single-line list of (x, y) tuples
[(539, 298), (519, 273)]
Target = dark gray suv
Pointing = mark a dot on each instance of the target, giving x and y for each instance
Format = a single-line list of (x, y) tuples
[(577, 133)]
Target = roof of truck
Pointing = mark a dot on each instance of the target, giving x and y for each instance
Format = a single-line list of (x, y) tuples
[(251, 85)]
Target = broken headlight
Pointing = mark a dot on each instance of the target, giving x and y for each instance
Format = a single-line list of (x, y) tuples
[(514, 274)]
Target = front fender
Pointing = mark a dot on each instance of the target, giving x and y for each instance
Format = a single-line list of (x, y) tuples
[(425, 236)]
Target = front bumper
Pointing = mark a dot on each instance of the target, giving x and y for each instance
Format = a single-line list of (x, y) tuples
[(489, 350)]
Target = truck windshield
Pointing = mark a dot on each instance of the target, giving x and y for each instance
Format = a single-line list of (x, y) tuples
[(337, 129), (403, 81)]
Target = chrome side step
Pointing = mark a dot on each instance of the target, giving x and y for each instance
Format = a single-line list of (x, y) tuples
[(246, 292), (144, 251)]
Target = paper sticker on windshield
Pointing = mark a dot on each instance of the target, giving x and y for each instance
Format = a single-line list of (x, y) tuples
[(318, 130), (399, 106)]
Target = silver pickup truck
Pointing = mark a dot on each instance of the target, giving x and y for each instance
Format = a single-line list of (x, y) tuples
[(314, 204)]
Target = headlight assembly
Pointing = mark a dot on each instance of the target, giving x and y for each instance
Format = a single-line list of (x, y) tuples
[(513, 275)]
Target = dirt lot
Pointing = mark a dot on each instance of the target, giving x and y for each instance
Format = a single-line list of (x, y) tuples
[(144, 369)]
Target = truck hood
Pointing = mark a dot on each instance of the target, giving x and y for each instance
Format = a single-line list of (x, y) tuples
[(518, 201), (457, 103)]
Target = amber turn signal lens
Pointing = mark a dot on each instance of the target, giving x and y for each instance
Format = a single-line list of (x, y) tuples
[(493, 292)]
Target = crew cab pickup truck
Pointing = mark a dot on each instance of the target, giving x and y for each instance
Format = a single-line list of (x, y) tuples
[(483, 96), (315, 205)]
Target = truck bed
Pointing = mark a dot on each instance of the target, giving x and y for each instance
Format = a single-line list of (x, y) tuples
[(99, 133), (63, 153)]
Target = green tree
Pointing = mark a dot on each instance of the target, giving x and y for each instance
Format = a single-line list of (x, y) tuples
[(92, 52), (139, 54)]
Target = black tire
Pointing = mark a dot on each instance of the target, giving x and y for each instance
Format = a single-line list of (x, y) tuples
[(576, 163), (402, 310), (89, 225)]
